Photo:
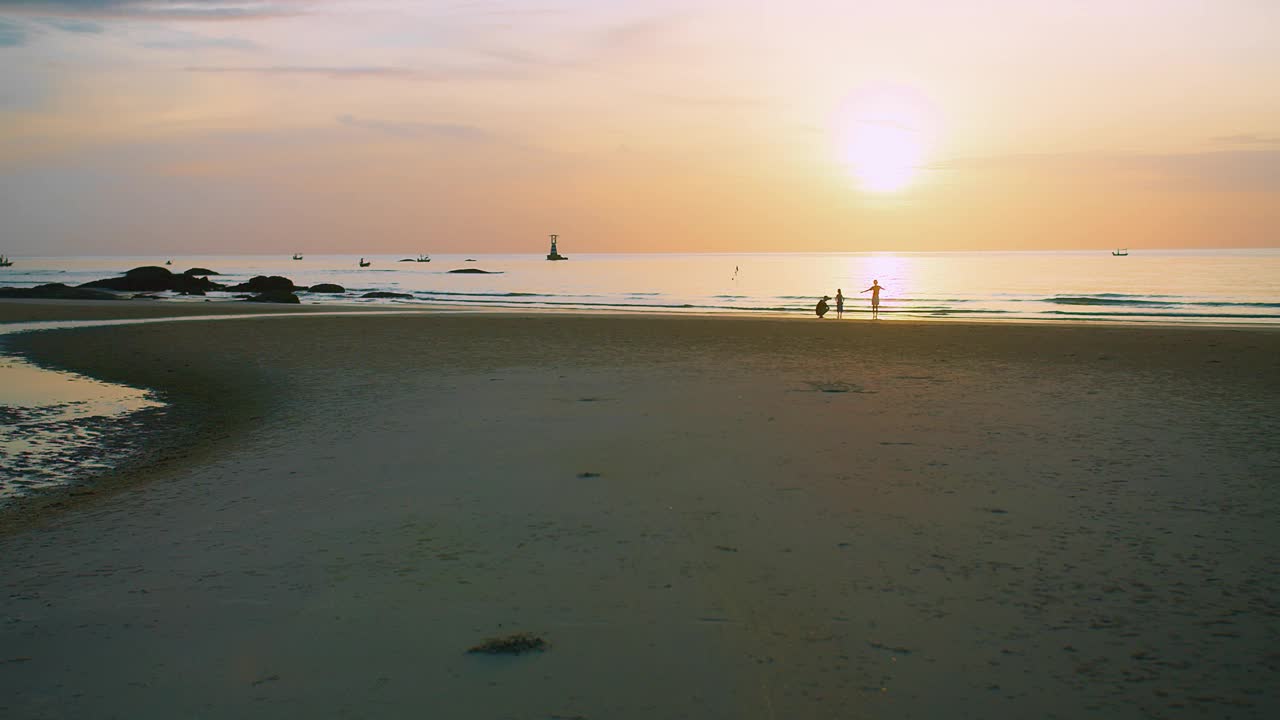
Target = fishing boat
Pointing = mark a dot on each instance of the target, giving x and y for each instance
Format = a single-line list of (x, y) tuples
[(297, 256), (5, 261), (555, 254), (423, 258), (364, 263), (1121, 252)]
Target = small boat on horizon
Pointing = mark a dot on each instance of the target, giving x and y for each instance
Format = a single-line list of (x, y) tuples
[(364, 263), (555, 254), (423, 258), (5, 261), (1121, 252), (297, 256)]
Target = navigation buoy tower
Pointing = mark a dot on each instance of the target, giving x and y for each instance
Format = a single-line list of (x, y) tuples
[(554, 254)]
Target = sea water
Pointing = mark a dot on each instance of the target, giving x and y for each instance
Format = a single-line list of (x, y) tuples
[(1168, 286), (54, 426)]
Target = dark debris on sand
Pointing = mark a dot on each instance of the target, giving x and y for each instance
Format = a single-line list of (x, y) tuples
[(517, 644)]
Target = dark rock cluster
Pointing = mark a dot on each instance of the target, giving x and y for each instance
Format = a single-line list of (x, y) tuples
[(56, 291), (153, 278), (385, 294)]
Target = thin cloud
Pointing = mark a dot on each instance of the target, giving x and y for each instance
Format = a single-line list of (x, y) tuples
[(416, 130), (1226, 170), (647, 33), (334, 71), (74, 25), (502, 10), (161, 9), (1248, 139), (191, 41), (12, 34), (731, 102)]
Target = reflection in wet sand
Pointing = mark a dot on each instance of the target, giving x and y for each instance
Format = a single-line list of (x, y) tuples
[(54, 426)]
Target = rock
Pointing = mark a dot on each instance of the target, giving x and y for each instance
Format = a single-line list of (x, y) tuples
[(407, 260), (474, 271), (517, 644), (193, 285), (326, 288), (141, 279), (384, 294), (153, 278), (275, 296), (56, 291), (148, 272), (200, 271), (262, 283)]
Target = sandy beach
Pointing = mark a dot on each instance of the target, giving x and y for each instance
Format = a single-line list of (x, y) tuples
[(703, 517)]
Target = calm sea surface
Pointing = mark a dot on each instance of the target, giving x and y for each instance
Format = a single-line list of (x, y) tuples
[(1181, 286)]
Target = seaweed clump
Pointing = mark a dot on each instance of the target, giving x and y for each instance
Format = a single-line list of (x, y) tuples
[(517, 644)]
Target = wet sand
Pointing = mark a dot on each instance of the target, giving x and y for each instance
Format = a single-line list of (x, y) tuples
[(704, 517)]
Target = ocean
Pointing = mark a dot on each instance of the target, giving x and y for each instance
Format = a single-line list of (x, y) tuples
[(1166, 286)]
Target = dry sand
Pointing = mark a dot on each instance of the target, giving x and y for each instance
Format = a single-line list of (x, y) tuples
[(705, 518)]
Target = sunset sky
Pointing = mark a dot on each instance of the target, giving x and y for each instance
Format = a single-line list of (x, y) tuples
[(365, 126)]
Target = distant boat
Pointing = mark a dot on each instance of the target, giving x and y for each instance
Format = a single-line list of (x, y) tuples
[(423, 258), (364, 263), (1121, 252), (168, 262), (555, 254), (5, 261), (297, 256)]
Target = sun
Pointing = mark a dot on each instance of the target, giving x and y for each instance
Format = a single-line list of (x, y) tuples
[(883, 158), (884, 137)]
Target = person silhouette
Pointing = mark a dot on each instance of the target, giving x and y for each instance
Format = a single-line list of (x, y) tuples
[(821, 308), (875, 298), (839, 303)]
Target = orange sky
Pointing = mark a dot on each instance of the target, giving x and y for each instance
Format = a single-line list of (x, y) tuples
[(144, 126)]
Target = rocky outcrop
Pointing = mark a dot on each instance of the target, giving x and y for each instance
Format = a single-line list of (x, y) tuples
[(474, 271), (56, 291), (200, 271), (384, 294), (262, 284), (152, 278), (326, 288), (275, 296)]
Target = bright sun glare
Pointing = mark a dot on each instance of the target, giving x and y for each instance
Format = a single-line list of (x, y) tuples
[(884, 134)]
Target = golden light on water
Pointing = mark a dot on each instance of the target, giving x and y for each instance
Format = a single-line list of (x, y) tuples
[(884, 137)]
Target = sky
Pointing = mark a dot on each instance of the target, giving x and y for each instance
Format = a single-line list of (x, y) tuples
[(402, 126)]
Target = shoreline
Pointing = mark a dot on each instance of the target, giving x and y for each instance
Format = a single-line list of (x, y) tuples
[(767, 518), (32, 509), (13, 311)]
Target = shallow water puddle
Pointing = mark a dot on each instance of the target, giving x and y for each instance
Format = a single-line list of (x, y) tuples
[(58, 427), (53, 425)]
